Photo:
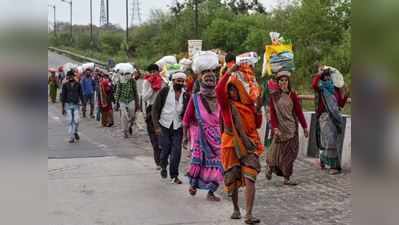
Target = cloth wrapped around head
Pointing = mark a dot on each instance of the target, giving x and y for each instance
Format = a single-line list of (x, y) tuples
[(205, 60), (179, 75)]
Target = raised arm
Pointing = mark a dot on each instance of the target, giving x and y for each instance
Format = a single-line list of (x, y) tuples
[(221, 93)]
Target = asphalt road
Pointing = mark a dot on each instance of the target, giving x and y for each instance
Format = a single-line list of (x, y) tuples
[(105, 179)]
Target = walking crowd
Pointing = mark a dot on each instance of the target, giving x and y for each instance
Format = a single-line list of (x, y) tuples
[(216, 112)]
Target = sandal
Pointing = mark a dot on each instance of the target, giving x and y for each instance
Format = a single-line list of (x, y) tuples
[(334, 172), (192, 191), (251, 220), (290, 183), (212, 198), (236, 215), (269, 174)]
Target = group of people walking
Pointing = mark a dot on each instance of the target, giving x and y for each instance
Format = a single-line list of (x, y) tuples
[(217, 120)]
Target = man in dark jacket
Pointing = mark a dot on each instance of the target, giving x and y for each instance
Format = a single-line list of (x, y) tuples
[(167, 112), (70, 98)]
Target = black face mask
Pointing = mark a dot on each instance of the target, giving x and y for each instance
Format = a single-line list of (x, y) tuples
[(178, 87)]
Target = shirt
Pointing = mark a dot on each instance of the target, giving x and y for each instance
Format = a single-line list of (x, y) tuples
[(149, 95), (88, 85), (172, 110), (126, 92)]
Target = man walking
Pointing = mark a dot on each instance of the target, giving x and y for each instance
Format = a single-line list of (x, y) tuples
[(88, 86), (152, 84), (70, 97), (127, 97), (167, 113)]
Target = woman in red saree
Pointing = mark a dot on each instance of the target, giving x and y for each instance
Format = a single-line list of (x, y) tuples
[(240, 144)]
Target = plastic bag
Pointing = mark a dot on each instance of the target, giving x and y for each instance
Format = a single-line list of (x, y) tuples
[(170, 69), (205, 60), (278, 56)]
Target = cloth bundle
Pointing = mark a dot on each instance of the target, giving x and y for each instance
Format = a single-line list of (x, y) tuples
[(123, 68), (89, 65), (205, 60), (166, 60), (247, 58)]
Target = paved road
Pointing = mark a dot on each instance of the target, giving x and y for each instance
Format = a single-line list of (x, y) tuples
[(105, 179)]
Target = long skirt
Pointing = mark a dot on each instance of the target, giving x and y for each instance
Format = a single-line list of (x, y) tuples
[(329, 153), (203, 173), (282, 155), (107, 117)]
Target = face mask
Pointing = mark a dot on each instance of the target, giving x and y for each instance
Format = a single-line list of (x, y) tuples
[(178, 87)]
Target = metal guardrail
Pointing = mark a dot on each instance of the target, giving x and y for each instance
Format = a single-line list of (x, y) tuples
[(78, 57), (311, 97)]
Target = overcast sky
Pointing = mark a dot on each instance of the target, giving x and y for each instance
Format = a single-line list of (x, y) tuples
[(81, 10)]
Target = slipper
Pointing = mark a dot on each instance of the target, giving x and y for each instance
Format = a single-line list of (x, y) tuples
[(290, 183), (252, 220), (236, 215), (192, 191), (212, 198), (269, 175), (334, 172)]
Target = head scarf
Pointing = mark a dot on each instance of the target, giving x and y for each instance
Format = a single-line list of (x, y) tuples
[(208, 88), (155, 80)]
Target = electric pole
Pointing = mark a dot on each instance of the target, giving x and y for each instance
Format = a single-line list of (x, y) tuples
[(70, 4), (91, 22), (196, 18), (127, 26), (55, 20)]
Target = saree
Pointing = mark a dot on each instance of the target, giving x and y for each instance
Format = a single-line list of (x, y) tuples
[(284, 148), (330, 127), (205, 170), (241, 145), (106, 104)]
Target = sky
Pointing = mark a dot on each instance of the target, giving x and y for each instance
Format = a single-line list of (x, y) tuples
[(81, 10)]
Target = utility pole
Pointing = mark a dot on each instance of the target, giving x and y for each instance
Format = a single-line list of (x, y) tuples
[(70, 4), (196, 18), (55, 20), (107, 12), (91, 22), (127, 26)]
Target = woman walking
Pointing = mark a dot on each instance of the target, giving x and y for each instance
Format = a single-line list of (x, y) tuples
[(241, 145), (285, 112), (107, 119), (202, 121), (330, 98)]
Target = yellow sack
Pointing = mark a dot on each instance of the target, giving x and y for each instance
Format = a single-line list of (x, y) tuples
[(271, 50)]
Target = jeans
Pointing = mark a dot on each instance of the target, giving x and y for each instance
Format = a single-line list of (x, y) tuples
[(88, 99), (170, 142), (72, 111), (128, 115)]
